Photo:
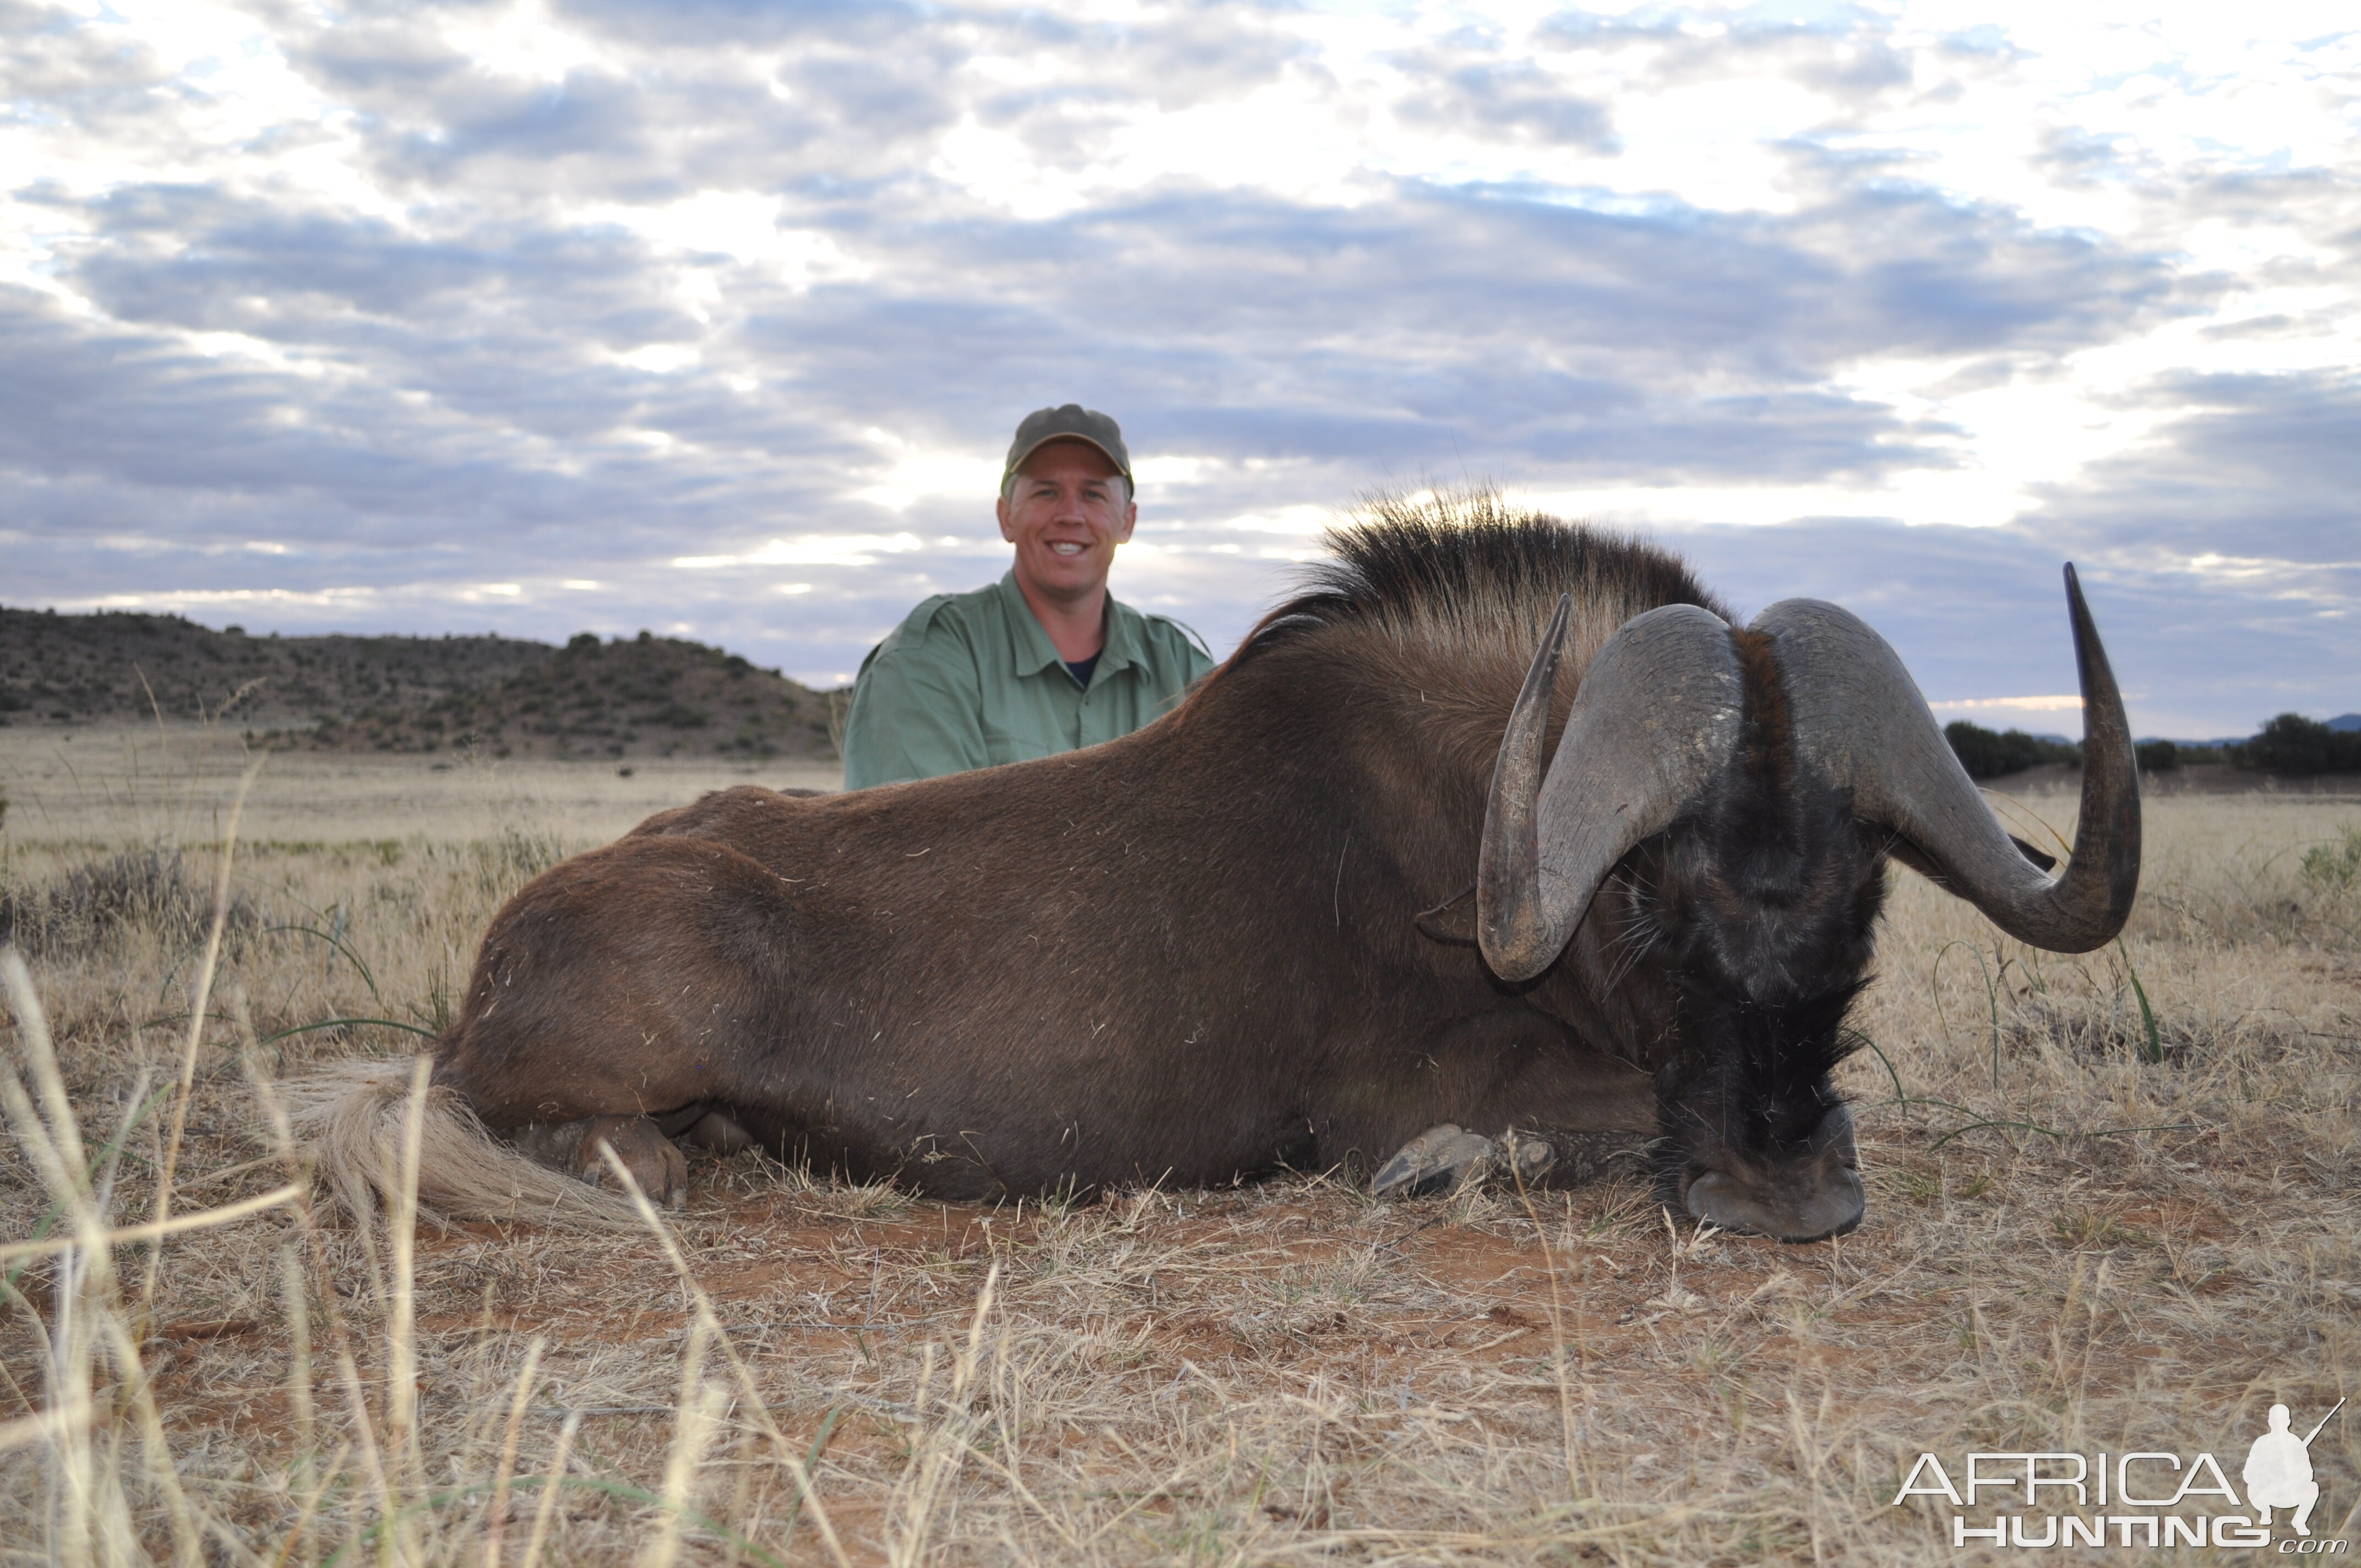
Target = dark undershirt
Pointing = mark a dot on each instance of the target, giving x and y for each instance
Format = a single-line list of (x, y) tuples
[(1081, 668)]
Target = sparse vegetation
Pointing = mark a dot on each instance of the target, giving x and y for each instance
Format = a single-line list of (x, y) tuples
[(2069, 1244), (93, 668), (500, 698), (93, 906)]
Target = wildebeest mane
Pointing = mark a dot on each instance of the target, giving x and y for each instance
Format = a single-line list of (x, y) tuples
[(1471, 574)]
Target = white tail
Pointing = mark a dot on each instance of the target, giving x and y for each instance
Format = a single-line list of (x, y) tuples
[(349, 1117)]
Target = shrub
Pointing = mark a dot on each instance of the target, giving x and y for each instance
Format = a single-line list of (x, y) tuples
[(1988, 755), (2157, 756), (153, 889), (2334, 865)]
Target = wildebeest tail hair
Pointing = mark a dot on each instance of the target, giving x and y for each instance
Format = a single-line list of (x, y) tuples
[(350, 1118)]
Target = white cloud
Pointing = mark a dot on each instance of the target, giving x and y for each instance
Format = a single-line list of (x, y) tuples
[(809, 550), (2070, 702)]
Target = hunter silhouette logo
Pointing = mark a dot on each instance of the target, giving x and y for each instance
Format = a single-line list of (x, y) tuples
[(2145, 1498), (2278, 1471)]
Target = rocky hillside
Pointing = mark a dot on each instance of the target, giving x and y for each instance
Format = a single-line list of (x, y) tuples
[(498, 696)]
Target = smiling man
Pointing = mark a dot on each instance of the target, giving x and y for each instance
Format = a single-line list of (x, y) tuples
[(1044, 660)]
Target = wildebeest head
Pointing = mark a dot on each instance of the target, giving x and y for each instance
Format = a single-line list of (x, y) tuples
[(1726, 799)]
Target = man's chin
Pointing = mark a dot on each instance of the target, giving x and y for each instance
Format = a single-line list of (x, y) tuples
[(1067, 574)]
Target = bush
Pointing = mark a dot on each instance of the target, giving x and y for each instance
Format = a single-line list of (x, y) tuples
[(2334, 865), (1988, 755), (2157, 756), (144, 889), (2294, 744)]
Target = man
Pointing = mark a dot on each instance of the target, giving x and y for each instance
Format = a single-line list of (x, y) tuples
[(1046, 659), (2278, 1473)]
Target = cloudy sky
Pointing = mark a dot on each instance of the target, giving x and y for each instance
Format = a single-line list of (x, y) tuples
[(714, 316)]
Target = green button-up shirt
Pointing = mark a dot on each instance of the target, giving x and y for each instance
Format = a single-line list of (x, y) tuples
[(971, 680)]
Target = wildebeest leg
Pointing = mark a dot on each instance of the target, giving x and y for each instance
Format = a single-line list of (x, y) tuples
[(1445, 1158), (659, 1168), (1511, 1068)]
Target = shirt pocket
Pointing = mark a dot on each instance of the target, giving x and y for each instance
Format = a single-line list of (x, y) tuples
[(1013, 743)]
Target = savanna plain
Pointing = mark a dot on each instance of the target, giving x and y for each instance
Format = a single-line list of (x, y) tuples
[(2112, 1205)]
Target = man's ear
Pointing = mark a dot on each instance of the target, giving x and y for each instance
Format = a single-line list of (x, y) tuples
[(1001, 511), (1130, 521)]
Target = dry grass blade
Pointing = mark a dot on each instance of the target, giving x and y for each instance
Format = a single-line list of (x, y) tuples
[(500, 1512), (550, 1487), (201, 1220), (92, 1504), (198, 1007), (934, 1463), (699, 1413), (401, 1354), (49, 1426)]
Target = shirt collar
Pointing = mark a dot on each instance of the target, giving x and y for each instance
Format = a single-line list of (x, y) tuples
[(1032, 649), (1028, 645)]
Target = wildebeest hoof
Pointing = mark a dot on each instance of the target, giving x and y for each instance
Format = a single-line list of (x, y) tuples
[(717, 1134), (1440, 1159), (1449, 1159), (656, 1164), (1525, 1159)]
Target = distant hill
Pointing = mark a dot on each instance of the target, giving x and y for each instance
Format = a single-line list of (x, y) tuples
[(648, 697), (652, 697), (2345, 721), (77, 668)]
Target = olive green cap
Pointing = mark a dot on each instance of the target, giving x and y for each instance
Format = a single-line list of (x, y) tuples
[(1068, 422)]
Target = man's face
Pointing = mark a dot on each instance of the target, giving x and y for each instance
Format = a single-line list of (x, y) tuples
[(1068, 510)]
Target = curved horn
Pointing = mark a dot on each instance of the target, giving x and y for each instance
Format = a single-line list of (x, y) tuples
[(1656, 717), (1860, 720), (1508, 913)]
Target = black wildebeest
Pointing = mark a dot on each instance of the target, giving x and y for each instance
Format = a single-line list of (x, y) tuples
[(1198, 952)]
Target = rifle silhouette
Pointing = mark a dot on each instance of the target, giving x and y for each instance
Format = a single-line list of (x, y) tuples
[(2324, 1421)]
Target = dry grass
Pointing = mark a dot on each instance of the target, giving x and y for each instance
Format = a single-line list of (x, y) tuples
[(796, 1371)]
